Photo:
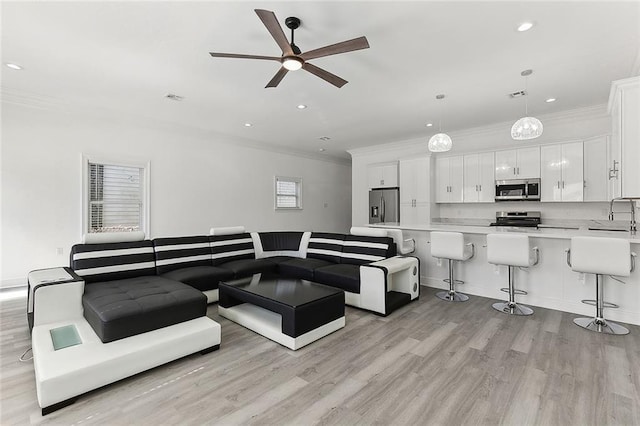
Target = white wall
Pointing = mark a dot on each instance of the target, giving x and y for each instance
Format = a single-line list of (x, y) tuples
[(197, 181), (561, 127)]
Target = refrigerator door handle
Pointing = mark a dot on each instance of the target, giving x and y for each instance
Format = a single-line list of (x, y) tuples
[(383, 208)]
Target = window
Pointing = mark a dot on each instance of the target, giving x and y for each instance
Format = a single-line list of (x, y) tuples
[(288, 193), (115, 197)]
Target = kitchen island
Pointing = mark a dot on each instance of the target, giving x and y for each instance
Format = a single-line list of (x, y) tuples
[(550, 284)]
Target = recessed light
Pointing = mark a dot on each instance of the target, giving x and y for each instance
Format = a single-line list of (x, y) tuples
[(321, 150), (550, 100), (324, 138), (301, 106), (525, 26), (248, 124), (14, 66), (429, 124)]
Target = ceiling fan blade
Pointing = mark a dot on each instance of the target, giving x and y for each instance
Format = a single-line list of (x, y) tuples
[(334, 49), (277, 78), (325, 75), (270, 21), (240, 56)]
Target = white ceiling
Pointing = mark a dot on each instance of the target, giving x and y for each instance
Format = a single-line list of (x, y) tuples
[(125, 56)]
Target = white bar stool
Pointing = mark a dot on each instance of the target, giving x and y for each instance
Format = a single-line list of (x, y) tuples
[(601, 256), (513, 251), (451, 246)]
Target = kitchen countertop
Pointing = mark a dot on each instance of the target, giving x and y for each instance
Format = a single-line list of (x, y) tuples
[(542, 232)]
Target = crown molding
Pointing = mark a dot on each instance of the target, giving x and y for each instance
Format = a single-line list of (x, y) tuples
[(53, 104), (391, 147)]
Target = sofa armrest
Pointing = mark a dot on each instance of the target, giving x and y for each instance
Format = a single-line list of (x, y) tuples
[(54, 295), (395, 274)]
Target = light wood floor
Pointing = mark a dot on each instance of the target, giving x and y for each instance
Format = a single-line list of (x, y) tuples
[(432, 362)]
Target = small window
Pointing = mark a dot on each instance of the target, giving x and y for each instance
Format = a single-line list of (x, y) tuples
[(288, 193), (115, 197)]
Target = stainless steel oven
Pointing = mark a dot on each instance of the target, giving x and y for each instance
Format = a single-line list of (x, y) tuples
[(518, 189)]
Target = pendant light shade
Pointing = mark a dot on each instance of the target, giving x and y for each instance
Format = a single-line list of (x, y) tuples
[(440, 142), (526, 127)]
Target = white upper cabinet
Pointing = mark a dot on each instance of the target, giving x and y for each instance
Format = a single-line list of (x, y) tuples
[(523, 163), (478, 177), (449, 179), (596, 169), (382, 175), (624, 106), (562, 172)]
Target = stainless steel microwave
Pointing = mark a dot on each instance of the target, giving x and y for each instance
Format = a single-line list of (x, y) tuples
[(518, 189)]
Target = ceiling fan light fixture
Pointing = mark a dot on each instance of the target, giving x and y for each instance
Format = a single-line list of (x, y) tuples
[(292, 63), (440, 142)]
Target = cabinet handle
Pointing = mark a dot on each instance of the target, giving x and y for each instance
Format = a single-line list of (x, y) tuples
[(514, 170), (558, 184), (518, 170), (382, 182), (562, 184), (480, 188)]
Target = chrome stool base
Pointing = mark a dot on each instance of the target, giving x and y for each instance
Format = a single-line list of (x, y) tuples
[(601, 326), (512, 308), (452, 296)]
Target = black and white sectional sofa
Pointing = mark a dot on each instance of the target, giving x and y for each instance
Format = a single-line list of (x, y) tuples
[(117, 315), (138, 303)]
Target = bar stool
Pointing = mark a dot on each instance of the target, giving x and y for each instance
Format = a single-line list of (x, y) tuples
[(512, 251), (451, 246), (404, 246), (601, 256)]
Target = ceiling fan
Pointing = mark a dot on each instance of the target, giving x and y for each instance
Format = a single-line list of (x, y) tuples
[(292, 57)]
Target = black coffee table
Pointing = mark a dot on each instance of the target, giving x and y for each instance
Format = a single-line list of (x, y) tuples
[(290, 311)]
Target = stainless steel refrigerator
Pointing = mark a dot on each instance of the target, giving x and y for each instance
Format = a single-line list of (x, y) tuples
[(384, 205)]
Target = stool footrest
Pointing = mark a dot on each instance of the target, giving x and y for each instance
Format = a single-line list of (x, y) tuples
[(448, 281), (506, 290), (593, 302)]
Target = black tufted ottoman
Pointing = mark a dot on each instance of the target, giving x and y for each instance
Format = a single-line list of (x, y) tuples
[(122, 308)]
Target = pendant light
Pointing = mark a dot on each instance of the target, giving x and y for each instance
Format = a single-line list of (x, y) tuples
[(440, 142), (526, 127)]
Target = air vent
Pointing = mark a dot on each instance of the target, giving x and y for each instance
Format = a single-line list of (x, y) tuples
[(518, 94), (174, 97)]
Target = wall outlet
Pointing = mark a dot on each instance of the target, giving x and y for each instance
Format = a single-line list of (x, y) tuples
[(59, 251), (326, 205)]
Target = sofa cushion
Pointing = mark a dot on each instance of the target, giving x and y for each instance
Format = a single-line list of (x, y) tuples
[(359, 250), (325, 246), (343, 276), (246, 267), (181, 252), (279, 259), (301, 268), (202, 278), (122, 308), (113, 261), (228, 248)]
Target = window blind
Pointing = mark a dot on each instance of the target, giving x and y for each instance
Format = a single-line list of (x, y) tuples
[(288, 193), (115, 198)]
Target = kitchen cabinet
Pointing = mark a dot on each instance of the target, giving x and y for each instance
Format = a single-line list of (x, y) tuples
[(596, 169), (415, 191), (562, 172), (624, 107), (382, 175), (449, 179), (522, 163), (478, 178)]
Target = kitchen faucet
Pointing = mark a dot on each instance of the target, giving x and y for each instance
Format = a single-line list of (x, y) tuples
[(632, 226)]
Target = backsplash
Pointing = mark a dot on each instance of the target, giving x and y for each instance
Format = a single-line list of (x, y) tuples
[(570, 214)]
